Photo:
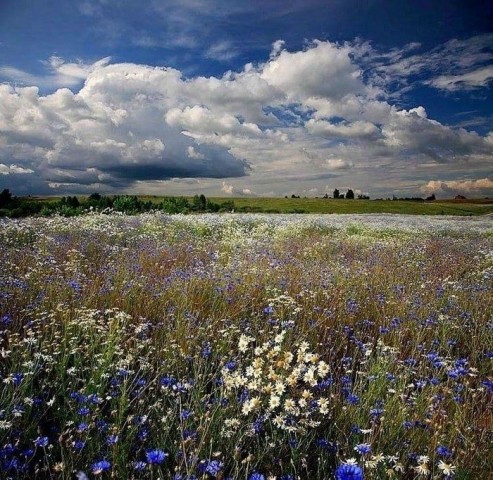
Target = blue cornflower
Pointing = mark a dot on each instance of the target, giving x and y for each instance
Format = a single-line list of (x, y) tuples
[(325, 444), (376, 412), (363, 448), (348, 471), (258, 425), (100, 467), (78, 444), (143, 433), (256, 476), (168, 381), (75, 285), (83, 411), (212, 467), (17, 378), (112, 440), (82, 427), (189, 434), (488, 384), (156, 457), (325, 383), (28, 452), (184, 414), (420, 384), (41, 442), (352, 399), (179, 387), (78, 397), (206, 350), (351, 306), (444, 451), (101, 425), (94, 399), (410, 362), (231, 365), (139, 466)]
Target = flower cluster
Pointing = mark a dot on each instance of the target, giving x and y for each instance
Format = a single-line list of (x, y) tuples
[(283, 383)]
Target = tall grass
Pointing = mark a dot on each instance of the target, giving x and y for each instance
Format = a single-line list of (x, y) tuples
[(151, 347)]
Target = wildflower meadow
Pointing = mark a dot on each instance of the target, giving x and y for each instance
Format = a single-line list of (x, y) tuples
[(248, 347)]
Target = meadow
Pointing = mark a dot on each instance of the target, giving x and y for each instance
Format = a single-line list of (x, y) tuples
[(246, 347), (17, 207)]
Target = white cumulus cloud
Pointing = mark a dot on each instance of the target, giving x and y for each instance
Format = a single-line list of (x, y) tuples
[(480, 185), (288, 124)]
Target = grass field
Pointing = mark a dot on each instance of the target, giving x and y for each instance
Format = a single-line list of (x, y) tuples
[(246, 347), (319, 205)]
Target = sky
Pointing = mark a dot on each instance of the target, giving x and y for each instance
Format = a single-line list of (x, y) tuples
[(247, 98)]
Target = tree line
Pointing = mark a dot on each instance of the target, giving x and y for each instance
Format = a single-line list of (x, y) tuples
[(11, 206)]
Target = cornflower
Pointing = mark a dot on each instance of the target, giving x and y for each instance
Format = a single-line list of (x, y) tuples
[(156, 457), (100, 467), (349, 471)]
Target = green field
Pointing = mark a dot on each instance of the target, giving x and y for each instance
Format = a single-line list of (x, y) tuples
[(320, 205), (299, 205)]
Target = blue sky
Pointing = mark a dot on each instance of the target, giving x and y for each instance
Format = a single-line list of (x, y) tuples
[(246, 98)]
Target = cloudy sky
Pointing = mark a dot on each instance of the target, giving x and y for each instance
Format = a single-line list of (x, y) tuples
[(239, 98)]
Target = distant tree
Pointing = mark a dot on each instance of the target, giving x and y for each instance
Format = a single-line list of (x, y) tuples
[(363, 197), (5, 197), (95, 196), (326, 196), (431, 198), (350, 194), (73, 202), (199, 202), (203, 202), (336, 194)]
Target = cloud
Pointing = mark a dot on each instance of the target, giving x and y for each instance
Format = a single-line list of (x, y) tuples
[(13, 170), (463, 65), (59, 73), (300, 117), (277, 47), (194, 154), (412, 133), (226, 188), (222, 51), (479, 186), (473, 79), (200, 122), (355, 130), (338, 164), (113, 131), (231, 190), (323, 70)]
